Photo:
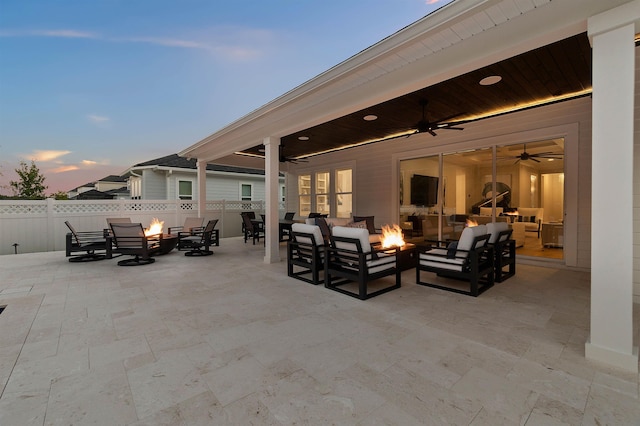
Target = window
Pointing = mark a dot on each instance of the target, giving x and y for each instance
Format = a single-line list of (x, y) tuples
[(304, 195), (344, 193), (316, 193), (322, 193), (246, 192), (185, 190), (135, 187)]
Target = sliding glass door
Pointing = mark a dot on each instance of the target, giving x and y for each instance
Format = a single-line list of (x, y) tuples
[(521, 184)]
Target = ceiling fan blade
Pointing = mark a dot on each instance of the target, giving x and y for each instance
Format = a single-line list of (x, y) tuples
[(533, 159), (556, 156), (432, 132)]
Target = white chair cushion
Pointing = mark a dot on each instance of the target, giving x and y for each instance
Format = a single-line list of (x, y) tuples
[(356, 233), (382, 263), (437, 258), (469, 234), (494, 229), (309, 229)]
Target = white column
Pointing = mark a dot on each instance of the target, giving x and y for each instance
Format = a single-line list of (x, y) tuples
[(271, 180), (202, 188), (612, 40)]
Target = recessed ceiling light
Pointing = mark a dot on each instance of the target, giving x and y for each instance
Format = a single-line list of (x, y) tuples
[(370, 117), (303, 138), (488, 81), (261, 150)]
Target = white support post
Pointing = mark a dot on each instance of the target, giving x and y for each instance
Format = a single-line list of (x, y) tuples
[(202, 188), (612, 40), (271, 180)]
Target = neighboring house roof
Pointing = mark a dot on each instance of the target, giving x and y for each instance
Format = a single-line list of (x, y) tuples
[(110, 178), (93, 194), (175, 161), (121, 190), (113, 178)]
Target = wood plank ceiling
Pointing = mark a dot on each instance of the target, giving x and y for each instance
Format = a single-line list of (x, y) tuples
[(558, 69)]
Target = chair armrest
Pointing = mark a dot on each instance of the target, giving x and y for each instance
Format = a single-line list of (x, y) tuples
[(171, 229), (91, 236)]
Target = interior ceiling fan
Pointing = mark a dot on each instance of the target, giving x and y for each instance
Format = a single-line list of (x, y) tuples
[(524, 155), (430, 127)]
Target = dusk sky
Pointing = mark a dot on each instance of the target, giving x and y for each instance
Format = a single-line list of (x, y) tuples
[(89, 88)]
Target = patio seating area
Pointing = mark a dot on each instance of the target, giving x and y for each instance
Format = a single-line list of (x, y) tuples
[(240, 342)]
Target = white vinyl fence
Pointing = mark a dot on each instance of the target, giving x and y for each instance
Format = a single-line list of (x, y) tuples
[(35, 226)]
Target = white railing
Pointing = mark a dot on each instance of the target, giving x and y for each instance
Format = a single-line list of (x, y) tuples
[(32, 226)]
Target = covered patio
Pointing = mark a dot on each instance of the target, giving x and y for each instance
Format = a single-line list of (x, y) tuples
[(563, 70), (229, 339)]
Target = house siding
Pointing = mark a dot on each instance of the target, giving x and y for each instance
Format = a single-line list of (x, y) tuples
[(228, 187), (154, 185)]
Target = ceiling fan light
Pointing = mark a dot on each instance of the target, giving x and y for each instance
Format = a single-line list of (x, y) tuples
[(492, 79)]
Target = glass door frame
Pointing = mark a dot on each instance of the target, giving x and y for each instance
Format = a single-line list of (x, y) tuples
[(570, 133)]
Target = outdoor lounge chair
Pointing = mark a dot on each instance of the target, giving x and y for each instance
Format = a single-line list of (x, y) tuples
[(305, 253), (88, 243), (198, 242), (191, 224), (111, 220), (504, 250), (129, 239), (469, 259), (352, 258)]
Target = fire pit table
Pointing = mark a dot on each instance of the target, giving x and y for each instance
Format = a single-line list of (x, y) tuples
[(168, 243), (407, 257)]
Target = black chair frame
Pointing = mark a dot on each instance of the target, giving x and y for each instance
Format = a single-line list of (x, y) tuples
[(477, 267), (252, 229), (504, 251), (198, 243), (307, 257), (88, 243), (140, 246), (343, 266)]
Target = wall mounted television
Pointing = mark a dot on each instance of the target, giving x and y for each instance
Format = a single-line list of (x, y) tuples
[(424, 190)]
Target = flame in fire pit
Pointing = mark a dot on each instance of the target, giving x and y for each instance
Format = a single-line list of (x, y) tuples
[(155, 227), (392, 236)]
